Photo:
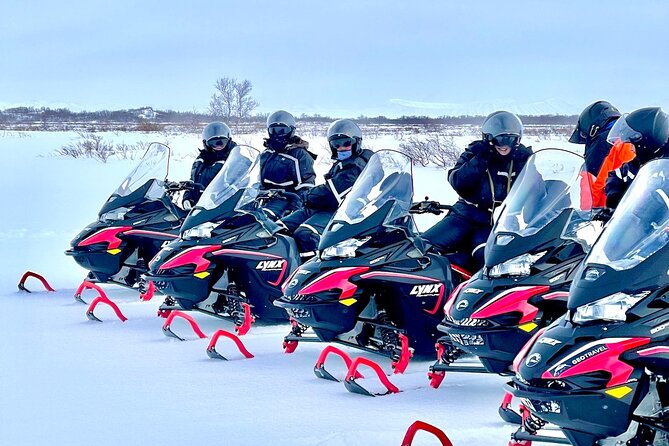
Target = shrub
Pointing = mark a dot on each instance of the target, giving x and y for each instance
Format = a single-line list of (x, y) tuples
[(437, 150)]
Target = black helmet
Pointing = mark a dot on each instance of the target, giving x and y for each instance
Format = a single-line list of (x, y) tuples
[(646, 128), (343, 132), (502, 128), (281, 122), (216, 133), (592, 119)]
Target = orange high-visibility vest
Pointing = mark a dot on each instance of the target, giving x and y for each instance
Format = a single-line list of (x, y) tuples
[(620, 153)]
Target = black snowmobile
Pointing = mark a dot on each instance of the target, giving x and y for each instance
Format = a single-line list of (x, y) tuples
[(230, 257), (600, 372), (132, 225), (374, 285), (542, 234)]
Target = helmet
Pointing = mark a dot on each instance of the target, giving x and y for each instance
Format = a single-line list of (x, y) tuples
[(283, 121), (339, 131), (592, 119), (214, 131), (646, 128), (502, 128)]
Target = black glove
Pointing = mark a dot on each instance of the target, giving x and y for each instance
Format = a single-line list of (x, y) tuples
[(482, 151), (603, 215)]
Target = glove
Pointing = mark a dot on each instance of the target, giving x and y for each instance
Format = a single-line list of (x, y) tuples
[(481, 151), (187, 205), (603, 215)]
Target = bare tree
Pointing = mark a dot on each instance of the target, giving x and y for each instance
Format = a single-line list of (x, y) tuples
[(232, 99), (223, 101), (244, 103)]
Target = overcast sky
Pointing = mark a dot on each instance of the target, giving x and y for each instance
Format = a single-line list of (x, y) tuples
[(337, 58)]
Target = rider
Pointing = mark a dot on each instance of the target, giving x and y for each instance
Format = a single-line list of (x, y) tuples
[(482, 177), (647, 132), (286, 165), (592, 129), (321, 202), (217, 143)]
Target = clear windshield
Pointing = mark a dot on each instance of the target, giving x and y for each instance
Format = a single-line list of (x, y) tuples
[(154, 165), (640, 224), (551, 182), (386, 177), (240, 171)]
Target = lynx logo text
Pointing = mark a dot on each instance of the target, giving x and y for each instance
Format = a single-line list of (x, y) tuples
[(270, 265), (432, 289)]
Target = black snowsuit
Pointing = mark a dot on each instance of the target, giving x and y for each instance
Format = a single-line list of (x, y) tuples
[(321, 202), (482, 178), (290, 169), (597, 148), (205, 167)]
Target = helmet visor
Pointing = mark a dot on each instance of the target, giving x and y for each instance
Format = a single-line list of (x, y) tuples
[(506, 140), (217, 142), (623, 132), (279, 129), (336, 142)]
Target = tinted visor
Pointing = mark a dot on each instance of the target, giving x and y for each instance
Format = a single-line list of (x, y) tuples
[(510, 141), (623, 132), (337, 142), (279, 129), (217, 141)]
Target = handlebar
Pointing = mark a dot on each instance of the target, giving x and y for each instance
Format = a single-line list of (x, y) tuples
[(176, 186), (429, 206), (272, 193)]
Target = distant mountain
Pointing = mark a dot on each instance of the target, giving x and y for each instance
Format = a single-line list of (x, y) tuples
[(538, 108)]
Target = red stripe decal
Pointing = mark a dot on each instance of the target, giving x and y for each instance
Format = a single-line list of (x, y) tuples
[(191, 256), (607, 360), (107, 235), (654, 351), (335, 279), (515, 299), (381, 274)]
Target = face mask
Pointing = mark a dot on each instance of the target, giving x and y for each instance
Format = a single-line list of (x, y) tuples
[(278, 142), (346, 154)]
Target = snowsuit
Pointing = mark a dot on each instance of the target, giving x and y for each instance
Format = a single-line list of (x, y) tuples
[(482, 178), (205, 167), (321, 202), (290, 169)]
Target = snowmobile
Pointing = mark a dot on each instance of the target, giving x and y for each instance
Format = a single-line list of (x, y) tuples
[(599, 373), (374, 285), (230, 258), (132, 225), (542, 234)]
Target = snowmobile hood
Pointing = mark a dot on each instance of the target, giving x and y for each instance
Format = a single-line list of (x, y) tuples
[(380, 198), (589, 357), (550, 200), (632, 254)]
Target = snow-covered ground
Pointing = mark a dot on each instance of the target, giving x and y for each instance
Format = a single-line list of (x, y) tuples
[(67, 380)]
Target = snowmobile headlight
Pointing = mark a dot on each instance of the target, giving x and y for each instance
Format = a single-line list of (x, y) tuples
[(200, 231), (518, 266), (343, 249), (609, 308), (114, 215)]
